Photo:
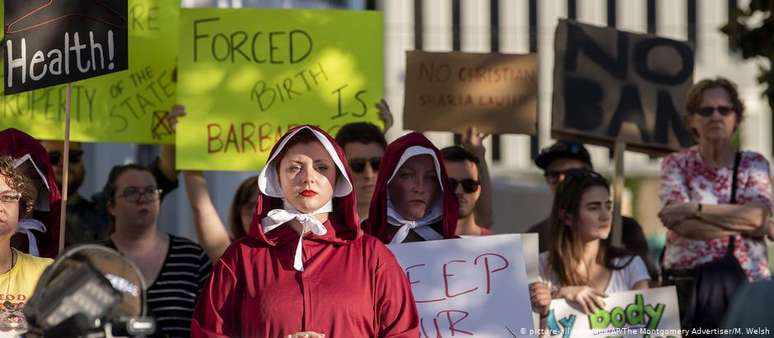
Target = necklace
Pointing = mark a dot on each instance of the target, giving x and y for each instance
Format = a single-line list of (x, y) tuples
[(9, 278)]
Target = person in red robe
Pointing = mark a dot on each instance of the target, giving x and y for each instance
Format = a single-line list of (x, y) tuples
[(37, 235), (413, 200), (332, 280)]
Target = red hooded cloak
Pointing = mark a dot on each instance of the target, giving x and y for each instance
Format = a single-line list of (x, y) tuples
[(351, 285), (377, 224)]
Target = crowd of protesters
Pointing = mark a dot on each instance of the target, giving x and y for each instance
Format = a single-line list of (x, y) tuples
[(327, 205)]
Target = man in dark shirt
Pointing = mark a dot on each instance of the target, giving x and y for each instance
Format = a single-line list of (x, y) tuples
[(87, 218), (562, 157)]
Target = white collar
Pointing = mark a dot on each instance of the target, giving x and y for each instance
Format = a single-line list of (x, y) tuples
[(421, 227), (277, 217), (25, 226)]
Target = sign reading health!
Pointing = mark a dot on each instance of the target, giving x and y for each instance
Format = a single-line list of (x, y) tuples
[(475, 287), (54, 42), (246, 76), (129, 106)]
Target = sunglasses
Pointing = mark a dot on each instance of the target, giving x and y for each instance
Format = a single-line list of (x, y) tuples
[(56, 156), (358, 164), (708, 111), (469, 185)]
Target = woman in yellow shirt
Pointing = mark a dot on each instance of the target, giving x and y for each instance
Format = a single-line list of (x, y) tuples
[(19, 272)]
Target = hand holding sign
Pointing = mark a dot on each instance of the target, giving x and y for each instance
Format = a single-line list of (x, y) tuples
[(586, 297), (177, 111), (540, 295), (473, 140), (384, 114), (639, 313)]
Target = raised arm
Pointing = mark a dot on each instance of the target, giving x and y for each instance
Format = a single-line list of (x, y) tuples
[(210, 230), (167, 153), (472, 140)]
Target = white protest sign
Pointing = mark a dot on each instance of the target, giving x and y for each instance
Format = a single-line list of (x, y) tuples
[(649, 313), (473, 287)]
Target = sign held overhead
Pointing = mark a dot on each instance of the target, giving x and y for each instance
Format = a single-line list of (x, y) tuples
[(450, 91), (62, 41), (612, 85)]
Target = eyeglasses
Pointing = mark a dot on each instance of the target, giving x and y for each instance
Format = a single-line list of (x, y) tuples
[(56, 156), (134, 194), (469, 185), (708, 111), (10, 196), (358, 164)]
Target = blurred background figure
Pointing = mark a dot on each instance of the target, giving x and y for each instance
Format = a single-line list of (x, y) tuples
[(37, 232), (174, 268), (19, 272)]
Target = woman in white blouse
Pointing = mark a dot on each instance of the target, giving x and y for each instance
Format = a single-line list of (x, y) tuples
[(581, 265)]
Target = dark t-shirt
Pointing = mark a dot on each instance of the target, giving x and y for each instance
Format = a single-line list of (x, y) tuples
[(172, 296), (633, 240), (88, 220)]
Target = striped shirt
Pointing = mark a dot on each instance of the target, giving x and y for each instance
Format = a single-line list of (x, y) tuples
[(171, 298)]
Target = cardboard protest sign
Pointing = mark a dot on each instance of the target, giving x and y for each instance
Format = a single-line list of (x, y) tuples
[(128, 106), (451, 91), (643, 313), (610, 85), (469, 287), (248, 75), (56, 42)]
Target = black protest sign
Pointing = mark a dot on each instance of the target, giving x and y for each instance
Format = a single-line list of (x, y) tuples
[(54, 42), (611, 85)]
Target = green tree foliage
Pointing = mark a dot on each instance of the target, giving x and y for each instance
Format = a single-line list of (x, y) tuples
[(751, 32)]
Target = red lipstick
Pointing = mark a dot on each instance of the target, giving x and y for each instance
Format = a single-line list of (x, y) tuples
[(308, 193)]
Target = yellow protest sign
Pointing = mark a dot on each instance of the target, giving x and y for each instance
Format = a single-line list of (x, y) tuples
[(248, 75), (128, 106)]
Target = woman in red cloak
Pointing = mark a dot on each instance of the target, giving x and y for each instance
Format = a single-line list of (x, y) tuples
[(38, 235), (412, 200), (331, 281)]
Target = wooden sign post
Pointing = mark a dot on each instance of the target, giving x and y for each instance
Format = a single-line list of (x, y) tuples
[(62, 42), (618, 187), (65, 168)]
